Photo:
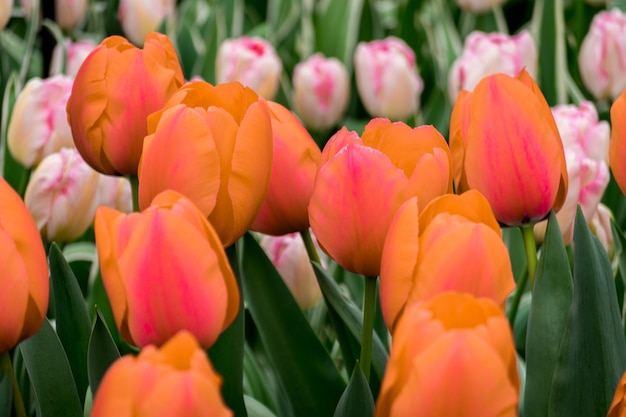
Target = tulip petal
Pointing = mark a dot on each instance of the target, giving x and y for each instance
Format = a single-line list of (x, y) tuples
[(459, 125), (431, 177), (116, 393), (617, 147), (14, 295)]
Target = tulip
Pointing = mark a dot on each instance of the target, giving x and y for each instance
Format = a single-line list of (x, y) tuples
[(38, 125), (321, 88), (251, 61), (176, 380), (586, 143), (617, 146), (115, 192), (294, 167), (62, 196), (454, 245), (452, 356), (618, 405), (6, 7), (67, 13), (600, 225), (75, 53), (479, 6), (490, 53), (362, 182), (213, 145), (140, 17), (24, 280), (602, 68), (289, 256), (115, 90), (387, 78), (505, 144), (165, 270)]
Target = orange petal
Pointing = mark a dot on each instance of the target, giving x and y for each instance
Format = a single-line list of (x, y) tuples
[(459, 126), (336, 143), (431, 177), (617, 147)]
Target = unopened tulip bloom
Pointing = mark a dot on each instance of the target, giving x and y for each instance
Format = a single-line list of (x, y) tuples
[(294, 167), (490, 53), (321, 88), (74, 53), (115, 90), (251, 61), (602, 67), (165, 270), (213, 145), (505, 144), (478, 6), (618, 405), (62, 195), (600, 225), (387, 78), (451, 357), (140, 17), (363, 181), (289, 256), (586, 143), (617, 147), (38, 125), (24, 279), (6, 7), (176, 380), (454, 245), (115, 192), (68, 13)]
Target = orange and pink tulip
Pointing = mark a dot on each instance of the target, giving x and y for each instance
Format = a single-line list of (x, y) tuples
[(617, 146)]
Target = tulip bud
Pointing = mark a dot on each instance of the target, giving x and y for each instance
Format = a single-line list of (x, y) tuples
[(490, 53), (6, 7), (176, 380), (165, 270), (115, 90), (602, 68), (387, 78), (251, 61), (140, 17), (600, 225), (62, 196), (68, 13), (479, 6), (115, 192), (38, 125), (289, 256), (24, 279), (321, 88), (75, 54)]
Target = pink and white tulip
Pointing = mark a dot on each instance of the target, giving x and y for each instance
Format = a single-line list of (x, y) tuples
[(600, 225), (602, 57), (140, 17), (68, 13), (115, 192), (490, 53), (6, 7), (321, 88), (251, 61), (38, 125), (478, 6), (387, 78), (75, 54)]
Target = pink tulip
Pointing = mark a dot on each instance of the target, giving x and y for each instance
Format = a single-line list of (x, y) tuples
[(6, 6), (68, 13), (75, 54), (140, 17), (600, 225), (115, 192)]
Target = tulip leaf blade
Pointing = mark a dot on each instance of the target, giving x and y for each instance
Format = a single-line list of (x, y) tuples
[(102, 352), (50, 374), (308, 375), (593, 353), (337, 28), (72, 320), (547, 319), (357, 399), (552, 59)]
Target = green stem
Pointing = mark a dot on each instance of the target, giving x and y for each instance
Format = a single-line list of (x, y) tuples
[(33, 27), (531, 252), (134, 185), (369, 307), (517, 297), (310, 246), (7, 369), (500, 20)]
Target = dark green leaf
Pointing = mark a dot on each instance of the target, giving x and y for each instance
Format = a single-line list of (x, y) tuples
[(357, 399), (102, 352), (50, 375), (72, 320), (552, 58), (547, 318), (593, 353), (303, 366)]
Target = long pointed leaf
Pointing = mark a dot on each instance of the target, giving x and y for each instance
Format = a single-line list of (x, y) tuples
[(102, 352), (357, 400)]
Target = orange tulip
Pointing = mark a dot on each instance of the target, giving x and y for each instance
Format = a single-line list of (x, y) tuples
[(618, 406), (617, 148), (165, 270), (176, 380), (362, 182), (115, 89), (24, 279), (452, 356), (505, 144), (454, 245), (294, 167), (213, 145)]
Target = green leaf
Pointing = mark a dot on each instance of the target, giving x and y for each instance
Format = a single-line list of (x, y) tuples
[(72, 320), (593, 353), (357, 399), (102, 352), (256, 408), (548, 16), (227, 353), (547, 319), (620, 4), (337, 29), (306, 371), (50, 375)]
